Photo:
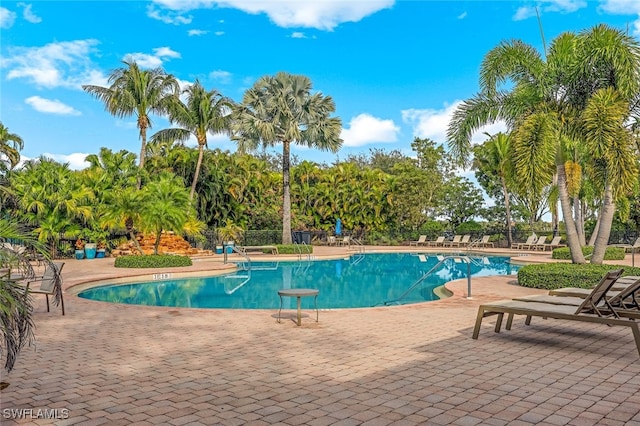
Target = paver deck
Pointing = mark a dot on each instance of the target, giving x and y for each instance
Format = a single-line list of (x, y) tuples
[(417, 364)]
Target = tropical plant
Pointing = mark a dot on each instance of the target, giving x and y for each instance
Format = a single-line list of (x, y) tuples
[(203, 112), (282, 109), (544, 105), (133, 91), (10, 146), (16, 323)]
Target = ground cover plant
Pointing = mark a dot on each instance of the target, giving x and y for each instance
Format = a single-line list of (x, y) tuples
[(612, 253)]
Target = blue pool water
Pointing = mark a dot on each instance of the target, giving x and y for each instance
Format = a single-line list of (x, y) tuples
[(363, 280)]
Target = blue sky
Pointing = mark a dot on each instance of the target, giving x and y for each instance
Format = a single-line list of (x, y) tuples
[(396, 69)]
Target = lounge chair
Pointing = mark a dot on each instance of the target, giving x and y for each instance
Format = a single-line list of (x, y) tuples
[(538, 245), (555, 243), (331, 240), (50, 284), (520, 246), (454, 242), (621, 284), (345, 241), (484, 242), (622, 293), (421, 240), (438, 242), (466, 239), (593, 309)]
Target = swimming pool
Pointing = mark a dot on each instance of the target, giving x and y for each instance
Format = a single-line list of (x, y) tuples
[(363, 280)]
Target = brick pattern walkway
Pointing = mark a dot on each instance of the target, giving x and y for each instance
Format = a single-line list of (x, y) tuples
[(403, 365)]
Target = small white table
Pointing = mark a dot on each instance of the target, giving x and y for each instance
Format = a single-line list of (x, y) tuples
[(299, 293)]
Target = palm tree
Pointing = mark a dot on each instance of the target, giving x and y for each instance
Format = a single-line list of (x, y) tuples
[(204, 112), (10, 146), (281, 109), (495, 153), (545, 104), (137, 92)]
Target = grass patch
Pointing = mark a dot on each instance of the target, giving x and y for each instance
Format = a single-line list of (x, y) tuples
[(552, 276), (152, 261), (293, 249)]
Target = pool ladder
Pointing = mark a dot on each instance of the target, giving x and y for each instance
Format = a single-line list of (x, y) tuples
[(299, 246), (456, 258)]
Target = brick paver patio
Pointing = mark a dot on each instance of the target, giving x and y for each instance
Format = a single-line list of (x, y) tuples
[(114, 364)]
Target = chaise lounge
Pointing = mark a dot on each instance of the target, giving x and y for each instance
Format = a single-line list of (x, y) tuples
[(595, 309)]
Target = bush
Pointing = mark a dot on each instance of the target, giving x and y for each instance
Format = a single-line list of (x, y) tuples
[(470, 227), (293, 249), (611, 253), (152, 261), (552, 276)]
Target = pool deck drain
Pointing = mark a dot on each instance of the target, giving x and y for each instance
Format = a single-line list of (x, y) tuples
[(415, 364)]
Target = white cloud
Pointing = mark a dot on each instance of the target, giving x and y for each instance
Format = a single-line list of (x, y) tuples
[(365, 129), (196, 32), (62, 64), (562, 6), (323, 15), (7, 18), (433, 124), (462, 15), (28, 14), (224, 77), (168, 16), (298, 34), (75, 160), (50, 106), (524, 12), (624, 7), (145, 60), (219, 33)]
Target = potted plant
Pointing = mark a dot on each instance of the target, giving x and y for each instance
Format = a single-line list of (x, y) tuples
[(79, 249)]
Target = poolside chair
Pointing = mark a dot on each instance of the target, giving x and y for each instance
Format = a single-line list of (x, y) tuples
[(592, 309), (538, 245), (345, 241), (331, 240), (555, 243), (454, 242), (421, 240), (484, 242), (621, 284), (50, 284), (520, 246), (464, 241), (438, 242)]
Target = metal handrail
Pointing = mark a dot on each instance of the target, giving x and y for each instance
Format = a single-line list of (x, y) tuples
[(236, 250), (431, 271)]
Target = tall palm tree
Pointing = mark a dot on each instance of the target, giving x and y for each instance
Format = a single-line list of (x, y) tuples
[(204, 112), (137, 92), (544, 106), (282, 109), (10, 146), (495, 153)]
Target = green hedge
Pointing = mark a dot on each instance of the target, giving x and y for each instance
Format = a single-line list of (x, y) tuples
[(152, 261), (293, 249), (611, 253), (557, 275)]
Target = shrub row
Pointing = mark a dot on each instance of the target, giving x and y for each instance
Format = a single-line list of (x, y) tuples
[(293, 249), (611, 253), (152, 261), (557, 275)]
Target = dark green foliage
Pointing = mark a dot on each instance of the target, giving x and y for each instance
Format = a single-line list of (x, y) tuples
[(557, 275), (152, 261), (470, 227), (612, 253), (292, 249), (432, 228)]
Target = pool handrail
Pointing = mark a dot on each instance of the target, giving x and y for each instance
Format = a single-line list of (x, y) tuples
[(465, 259)]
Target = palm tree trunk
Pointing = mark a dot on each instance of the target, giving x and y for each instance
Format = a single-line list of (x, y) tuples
[(594, 234), (507, 207), (156, 245), (604, 227), (577, 211), (143, 151), (286, 195), (572, 234), (197, 172)]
